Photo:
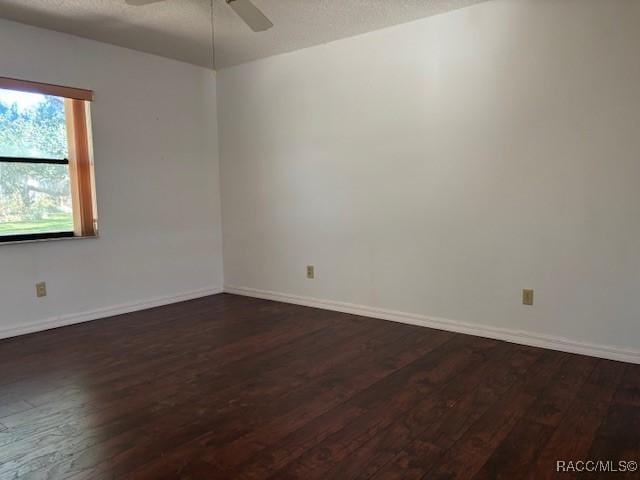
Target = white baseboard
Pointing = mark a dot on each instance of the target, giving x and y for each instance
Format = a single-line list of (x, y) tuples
[(509, 335), (64, 320)]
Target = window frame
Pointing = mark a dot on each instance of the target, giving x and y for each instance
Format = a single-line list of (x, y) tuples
[(80, 161)]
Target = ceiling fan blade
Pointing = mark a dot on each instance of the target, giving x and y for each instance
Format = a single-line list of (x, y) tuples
[(252, 16), (139, 3)]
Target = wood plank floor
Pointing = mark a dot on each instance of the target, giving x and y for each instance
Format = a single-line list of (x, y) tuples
[(228, 387)]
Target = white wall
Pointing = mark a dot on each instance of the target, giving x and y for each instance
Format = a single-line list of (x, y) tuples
[(439, 167), (157, 185)]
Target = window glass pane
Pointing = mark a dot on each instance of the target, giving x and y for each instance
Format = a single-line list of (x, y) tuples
[(32, 125), (34, 198)]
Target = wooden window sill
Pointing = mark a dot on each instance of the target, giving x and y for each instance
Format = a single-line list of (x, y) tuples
[(52, 239)]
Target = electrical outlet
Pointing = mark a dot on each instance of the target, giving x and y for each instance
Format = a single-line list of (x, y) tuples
[(527, 297), (41, 289), (311, 272)]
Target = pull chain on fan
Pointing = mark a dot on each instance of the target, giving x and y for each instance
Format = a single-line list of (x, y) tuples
[(213, 39)]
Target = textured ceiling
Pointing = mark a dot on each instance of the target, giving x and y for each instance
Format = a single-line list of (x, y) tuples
[(181, 29)]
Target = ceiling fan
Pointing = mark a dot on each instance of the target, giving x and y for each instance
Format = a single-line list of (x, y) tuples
[(247, 11)]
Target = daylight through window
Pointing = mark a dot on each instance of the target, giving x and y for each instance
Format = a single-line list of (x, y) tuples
[(46, 170)]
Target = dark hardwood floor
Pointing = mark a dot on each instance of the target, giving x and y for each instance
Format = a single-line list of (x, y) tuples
[(229, 387)]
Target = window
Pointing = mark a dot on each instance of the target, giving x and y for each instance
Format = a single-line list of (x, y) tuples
[(46, 169)]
